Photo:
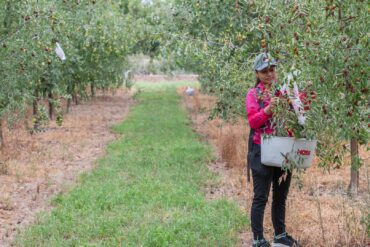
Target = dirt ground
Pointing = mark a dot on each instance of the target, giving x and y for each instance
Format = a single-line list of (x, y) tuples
[(321, 214), (36, 167)]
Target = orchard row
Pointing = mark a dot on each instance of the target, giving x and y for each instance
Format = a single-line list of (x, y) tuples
[(95, 36)]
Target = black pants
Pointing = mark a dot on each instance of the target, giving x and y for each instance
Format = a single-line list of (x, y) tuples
[(263, 177)]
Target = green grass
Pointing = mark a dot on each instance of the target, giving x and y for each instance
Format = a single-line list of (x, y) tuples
[(146, 191)]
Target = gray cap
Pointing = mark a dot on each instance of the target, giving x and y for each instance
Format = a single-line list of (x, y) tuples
[(263, 61)]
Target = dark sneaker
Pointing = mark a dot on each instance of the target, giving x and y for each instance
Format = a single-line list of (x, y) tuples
[(261, 243), (284, 240)]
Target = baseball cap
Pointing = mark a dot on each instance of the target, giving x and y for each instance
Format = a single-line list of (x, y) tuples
[(263, 61)]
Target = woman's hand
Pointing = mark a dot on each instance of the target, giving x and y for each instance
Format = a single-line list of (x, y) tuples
[(268, 110)]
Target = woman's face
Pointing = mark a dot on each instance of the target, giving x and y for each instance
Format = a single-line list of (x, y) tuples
[(267, 75)]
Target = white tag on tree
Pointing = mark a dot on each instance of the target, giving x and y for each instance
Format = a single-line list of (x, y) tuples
[(59, 51)]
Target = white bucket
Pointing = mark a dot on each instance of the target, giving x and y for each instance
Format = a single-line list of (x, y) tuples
[(300, 151)]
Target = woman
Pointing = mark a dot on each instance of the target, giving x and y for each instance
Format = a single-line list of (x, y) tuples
[(259, 108)]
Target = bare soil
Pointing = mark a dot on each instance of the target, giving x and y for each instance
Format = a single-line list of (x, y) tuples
[(320, 214), (34, 168)]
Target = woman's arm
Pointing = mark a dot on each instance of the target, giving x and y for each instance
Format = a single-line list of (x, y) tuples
[(257, 116)]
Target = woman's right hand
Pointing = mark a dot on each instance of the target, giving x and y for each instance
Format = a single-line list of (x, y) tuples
[(268, 109)]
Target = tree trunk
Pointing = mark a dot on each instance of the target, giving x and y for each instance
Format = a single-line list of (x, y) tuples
[(1, 134), (92, 86), (355, 174), (69, 102), (75, 98), (35, 111), (51, 105), (70, 91), (34, 107), (75, 88)]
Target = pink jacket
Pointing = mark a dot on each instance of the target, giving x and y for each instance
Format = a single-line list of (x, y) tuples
[(257, 118)]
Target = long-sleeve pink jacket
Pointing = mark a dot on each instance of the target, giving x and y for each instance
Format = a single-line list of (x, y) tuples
[(257, 118)]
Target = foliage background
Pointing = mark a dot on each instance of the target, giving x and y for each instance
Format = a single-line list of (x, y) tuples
[(327, 41)]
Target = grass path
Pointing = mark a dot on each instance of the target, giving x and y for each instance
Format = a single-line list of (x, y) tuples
[(146, 191)]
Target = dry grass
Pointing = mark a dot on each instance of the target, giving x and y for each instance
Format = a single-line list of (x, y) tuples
[(232, 151), (321, 214)]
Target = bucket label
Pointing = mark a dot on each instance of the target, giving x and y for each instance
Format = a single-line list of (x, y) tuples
[(303, 152)]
